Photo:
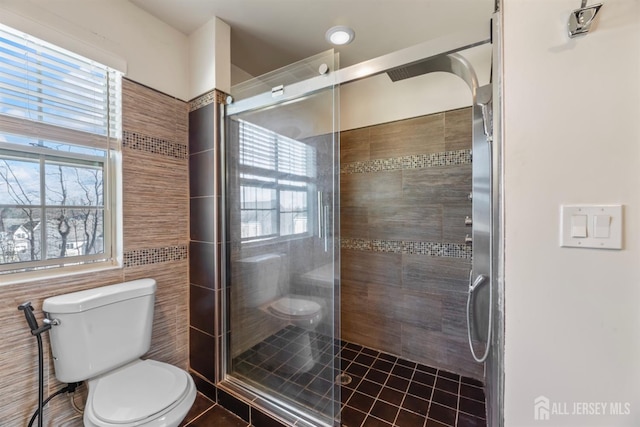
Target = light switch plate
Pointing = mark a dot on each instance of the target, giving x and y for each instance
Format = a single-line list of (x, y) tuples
[(614, 239)]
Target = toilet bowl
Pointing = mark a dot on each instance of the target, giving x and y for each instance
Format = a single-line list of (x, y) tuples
[(125, 397), (99, 336), (265, 286), (297, 310), (304, 314)]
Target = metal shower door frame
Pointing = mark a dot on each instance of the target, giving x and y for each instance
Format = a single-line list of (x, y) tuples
[(399, 59)]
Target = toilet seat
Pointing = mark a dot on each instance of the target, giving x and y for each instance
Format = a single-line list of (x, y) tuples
[(138, 394), (297, 308)]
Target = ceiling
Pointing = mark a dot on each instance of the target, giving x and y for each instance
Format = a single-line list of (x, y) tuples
[(269, 34)]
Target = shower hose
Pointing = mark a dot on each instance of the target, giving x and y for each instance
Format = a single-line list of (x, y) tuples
[(37, 331), (472, 287)]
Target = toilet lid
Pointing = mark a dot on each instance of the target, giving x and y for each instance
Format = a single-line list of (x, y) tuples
[(137, 391), (295, 306)]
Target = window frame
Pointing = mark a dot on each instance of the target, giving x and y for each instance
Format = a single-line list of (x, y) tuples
[(44, 158), (110, 165), (249, 176), (278, 188)]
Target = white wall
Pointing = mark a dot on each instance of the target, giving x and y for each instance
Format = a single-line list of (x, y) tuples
[(210, 58), (572, 135), (114, 32)]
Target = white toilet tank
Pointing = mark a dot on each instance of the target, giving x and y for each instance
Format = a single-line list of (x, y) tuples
[(101, 328), (260, 279)]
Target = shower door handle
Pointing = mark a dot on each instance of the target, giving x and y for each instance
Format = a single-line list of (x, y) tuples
[(321, 223), (323, 220), (325, 216)]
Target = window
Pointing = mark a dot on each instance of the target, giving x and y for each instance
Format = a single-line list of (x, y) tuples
[(59, 133), (276, 178)]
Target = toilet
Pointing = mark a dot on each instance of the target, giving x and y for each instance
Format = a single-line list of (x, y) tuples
[(98, 336), (264, 288)]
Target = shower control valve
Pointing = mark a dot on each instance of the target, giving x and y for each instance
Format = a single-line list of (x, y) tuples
[(468, 220), (468, 239)]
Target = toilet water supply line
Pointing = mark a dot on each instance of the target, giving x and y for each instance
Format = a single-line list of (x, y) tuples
[(37, 331)]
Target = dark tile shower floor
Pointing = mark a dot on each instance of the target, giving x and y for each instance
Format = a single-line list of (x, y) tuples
[(384, 390)]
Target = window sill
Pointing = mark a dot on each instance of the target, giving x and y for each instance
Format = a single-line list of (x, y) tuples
[(56, 273)]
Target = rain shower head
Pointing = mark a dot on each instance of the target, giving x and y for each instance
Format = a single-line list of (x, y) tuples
[(407, 72), (451, 63)]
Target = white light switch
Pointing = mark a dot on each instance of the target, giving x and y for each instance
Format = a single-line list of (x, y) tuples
[(591, 226), (578, 226), (601, 226)]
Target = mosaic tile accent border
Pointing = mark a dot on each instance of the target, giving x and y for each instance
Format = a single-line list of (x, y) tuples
[(155, 255), (452, 250), (206, 99), (151, 144), (416, 161)]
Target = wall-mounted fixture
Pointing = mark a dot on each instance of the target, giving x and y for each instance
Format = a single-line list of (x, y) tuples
[(591, 226), (581, 19), (340, 35)]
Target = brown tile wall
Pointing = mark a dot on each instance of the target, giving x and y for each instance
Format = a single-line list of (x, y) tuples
[(404, 265), (156, 204), (206, 289)]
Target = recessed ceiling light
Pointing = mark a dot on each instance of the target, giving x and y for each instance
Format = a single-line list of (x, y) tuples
[(340, 35)]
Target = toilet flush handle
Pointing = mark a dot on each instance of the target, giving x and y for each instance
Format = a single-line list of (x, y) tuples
[(52, 322)]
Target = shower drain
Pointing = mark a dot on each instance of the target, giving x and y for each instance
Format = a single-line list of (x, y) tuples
[(343, 379)]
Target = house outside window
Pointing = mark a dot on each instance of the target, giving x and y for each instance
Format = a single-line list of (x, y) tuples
[(277, 177), (60, 127)]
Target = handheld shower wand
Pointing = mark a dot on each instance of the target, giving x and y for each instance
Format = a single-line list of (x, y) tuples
[(27, 309)]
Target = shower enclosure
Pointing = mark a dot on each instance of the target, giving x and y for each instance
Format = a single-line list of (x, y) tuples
[(281, 253), (282, 229)]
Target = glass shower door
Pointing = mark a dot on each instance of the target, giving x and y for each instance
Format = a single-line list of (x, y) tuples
[(282, 247)]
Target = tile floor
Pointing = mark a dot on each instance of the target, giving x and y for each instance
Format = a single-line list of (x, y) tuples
[(205, 413), (388, 391), (384, 390)]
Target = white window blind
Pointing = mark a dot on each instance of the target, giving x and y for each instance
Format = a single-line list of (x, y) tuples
[(276, 176), (45, 90), (265, 149)]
